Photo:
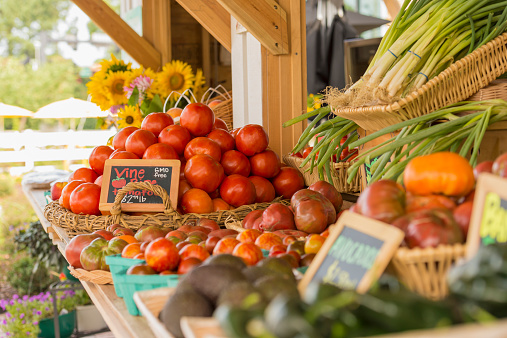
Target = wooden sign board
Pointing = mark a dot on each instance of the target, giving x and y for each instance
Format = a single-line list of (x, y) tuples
[(488, 223), (117, 173), (355, 254)]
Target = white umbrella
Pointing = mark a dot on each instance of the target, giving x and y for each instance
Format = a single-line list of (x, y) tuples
[(6, 110), (70, 109)]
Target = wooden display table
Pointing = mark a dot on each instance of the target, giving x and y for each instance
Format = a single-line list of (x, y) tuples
[(111, 307)]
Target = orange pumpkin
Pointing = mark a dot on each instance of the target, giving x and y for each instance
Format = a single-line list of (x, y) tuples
[(440, 173)]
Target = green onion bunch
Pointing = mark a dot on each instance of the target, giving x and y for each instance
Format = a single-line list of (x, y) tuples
[(331, 131), (442, 130)]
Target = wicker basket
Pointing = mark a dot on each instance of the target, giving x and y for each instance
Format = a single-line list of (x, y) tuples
[(95, 276), (338, 174), (495, 90), (424, 270), (76, 224), (224, 111), (459, 81)]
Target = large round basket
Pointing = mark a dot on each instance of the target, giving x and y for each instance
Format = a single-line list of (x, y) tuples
[(95, 276), (424, 270), (339, 174), (76, 224), (224, 111)]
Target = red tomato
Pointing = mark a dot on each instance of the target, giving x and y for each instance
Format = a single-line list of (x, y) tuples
[(123, 155), (196, 201), (214, 103), (234, 132), (85, 199), (252, 139), (355, 153), (203, 145), (198, 118), (84, 174), (97, 158), (121, 136), (307, 152), (288, 181), (264, 190), (183, 188), (298, 154), (66, 191), (161, 151), (175, 136), (237, 190), (156, 122), (203, 172), (98, 181), (345, 151), (223, 138), (265, 164), (139, 141), (235, 162), (174, 112), (220, 124)]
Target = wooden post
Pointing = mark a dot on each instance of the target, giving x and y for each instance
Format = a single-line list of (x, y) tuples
[(284, 82), (157, 27)]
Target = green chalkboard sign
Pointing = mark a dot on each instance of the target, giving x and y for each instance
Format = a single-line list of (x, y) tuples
[(356, 253), (488, 223), (118, 173)]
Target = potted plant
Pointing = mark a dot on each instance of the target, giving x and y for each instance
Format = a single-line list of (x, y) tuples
[(32, 316)]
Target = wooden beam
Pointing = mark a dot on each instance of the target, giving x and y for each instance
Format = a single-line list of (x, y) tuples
[(393, 7), (264, 19), (121, 33), (157, 27), (213, 17), (284, 82)]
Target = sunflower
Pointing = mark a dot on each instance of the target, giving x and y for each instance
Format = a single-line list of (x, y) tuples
[(97, 92), (114, 88), (175, 76), (198, 87), (129, 116), (114, 65)]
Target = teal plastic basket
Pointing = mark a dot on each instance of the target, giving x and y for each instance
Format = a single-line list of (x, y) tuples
[(132, 283), (119, 265)]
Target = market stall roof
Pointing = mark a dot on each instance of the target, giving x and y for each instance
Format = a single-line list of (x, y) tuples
[(70, 108), (7, 110)]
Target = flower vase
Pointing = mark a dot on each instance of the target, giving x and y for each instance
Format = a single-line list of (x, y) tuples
[(67, 323)]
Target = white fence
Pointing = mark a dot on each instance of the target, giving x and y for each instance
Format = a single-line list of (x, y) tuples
[(31, 146)]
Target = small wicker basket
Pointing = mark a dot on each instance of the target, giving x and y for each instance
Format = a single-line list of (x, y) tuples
[(339, 174), (224, 111), (495, 90), (76, 224), (424, 270), (456, 83)]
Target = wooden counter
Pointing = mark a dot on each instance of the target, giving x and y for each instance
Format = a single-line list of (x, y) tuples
[(111, 307)]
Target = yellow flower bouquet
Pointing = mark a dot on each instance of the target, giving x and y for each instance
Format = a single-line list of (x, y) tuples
[(131, 94)]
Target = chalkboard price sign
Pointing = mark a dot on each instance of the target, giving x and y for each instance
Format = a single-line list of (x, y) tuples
[(356, 253), (488, 223), (118, 173)]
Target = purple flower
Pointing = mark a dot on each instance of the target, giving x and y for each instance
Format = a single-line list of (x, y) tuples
[(39, 313), (36, 323), (8, 333), (27, 333), (47, 309), (11, 302), (20, 301), (23, 322), (21, 316), (8, 315), (15, 296), (25, 297), (4, 322)]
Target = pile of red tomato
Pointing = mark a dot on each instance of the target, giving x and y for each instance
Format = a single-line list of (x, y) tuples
[(220, 169)]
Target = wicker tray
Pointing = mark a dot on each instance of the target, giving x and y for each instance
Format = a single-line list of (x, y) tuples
[(338, 174), (76, 224), (424, 270), (495, 90), (459, 81), (95, 276)]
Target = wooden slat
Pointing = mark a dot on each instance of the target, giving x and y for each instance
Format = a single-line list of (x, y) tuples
[(393, 7), (121, 33), (157, 27), (284, 82), (206, 56), (264, 19), (213, 17)]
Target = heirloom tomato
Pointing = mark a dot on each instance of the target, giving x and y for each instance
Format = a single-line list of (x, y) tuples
[(160, 151), (121, 136), (198, 118), (85, 199), (64, 199), (265, 164), (252, 139), (223, 138), (156, 122), (288, 181), (237, 190), (176, 136), (84, 174), (203, 145), (97, 158), (203, 172), (139, 141), (235, 162), (264, 190)]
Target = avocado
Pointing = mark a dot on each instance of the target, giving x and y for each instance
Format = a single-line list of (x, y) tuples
[(253, 273), (225, 259), (184, 303), (241, 295), (272, 286), (211, 280), (278, 265)]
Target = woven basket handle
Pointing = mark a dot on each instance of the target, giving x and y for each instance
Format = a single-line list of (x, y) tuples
[(156, 189)]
